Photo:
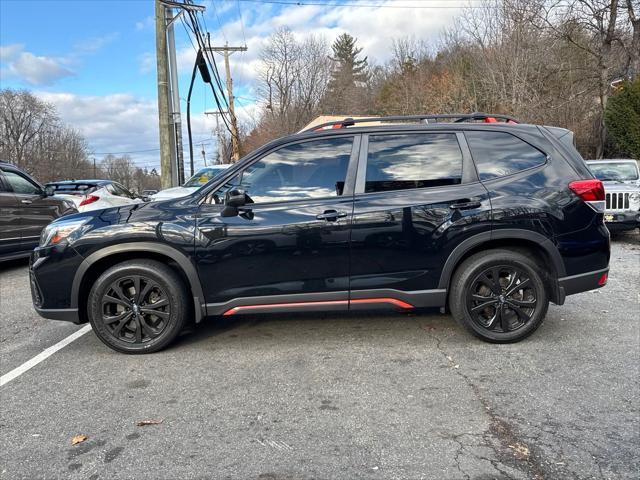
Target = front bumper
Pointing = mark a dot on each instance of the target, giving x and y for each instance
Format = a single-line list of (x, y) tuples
[(620, 221), (51, 273)]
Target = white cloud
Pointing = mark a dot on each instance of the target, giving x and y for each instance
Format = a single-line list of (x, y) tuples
[(147, 62), (40, 70), (146, 24), (94, 44), (124, 123), (33, 69)]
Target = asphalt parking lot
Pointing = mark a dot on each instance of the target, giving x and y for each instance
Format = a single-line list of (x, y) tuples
[(331, 396)]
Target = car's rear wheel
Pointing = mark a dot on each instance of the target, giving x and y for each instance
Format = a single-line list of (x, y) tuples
[(499, 296), (138, 307)]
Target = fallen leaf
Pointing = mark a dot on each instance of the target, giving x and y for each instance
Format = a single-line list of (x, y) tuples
[(520, 450), (78, 439), (149, 422)]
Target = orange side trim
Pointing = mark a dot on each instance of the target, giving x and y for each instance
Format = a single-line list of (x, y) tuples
[(392, 301)]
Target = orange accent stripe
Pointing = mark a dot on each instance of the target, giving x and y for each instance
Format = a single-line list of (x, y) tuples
[(393, 301)]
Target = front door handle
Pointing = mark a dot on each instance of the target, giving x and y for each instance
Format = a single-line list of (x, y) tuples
[(331, 215), (465, 205), (26, 202)]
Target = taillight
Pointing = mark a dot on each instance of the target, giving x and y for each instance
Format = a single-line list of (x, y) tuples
[(89, 199), (590, 191)]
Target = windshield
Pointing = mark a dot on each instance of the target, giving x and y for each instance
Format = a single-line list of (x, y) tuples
[(203, 176), (623, 172)]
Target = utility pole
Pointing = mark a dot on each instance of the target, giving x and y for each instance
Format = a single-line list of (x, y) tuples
[(171, 155), (178, 157), (219, 135), (166, 171), (226, 51)]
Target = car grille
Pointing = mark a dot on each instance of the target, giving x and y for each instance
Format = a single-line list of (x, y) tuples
[(617, 201)]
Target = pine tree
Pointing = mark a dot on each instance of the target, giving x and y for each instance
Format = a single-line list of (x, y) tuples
[(348, 78), (349, 68)]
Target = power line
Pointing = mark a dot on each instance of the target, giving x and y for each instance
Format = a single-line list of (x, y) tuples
[(362, 5)]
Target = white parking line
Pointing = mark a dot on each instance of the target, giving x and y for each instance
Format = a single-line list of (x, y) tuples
[(16, 372)]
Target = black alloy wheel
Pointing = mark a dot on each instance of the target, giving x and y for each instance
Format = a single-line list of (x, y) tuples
[(499, 295), (138, 306), (502, 298), (135, 309)]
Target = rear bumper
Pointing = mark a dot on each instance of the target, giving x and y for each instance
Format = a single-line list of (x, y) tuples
[(65, 314), (583, 282)]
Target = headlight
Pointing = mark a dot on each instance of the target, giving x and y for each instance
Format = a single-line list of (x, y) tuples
[(62, 230), (634, 197)]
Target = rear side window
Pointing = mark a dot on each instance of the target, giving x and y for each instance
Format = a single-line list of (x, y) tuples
[(399, 162), (497, 154)]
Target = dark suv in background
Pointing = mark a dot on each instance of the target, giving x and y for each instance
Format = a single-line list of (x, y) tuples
[(491, 218), (26, 207)]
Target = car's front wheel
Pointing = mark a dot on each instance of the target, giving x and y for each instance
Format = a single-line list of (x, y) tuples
[(499, 295), (138, 306)]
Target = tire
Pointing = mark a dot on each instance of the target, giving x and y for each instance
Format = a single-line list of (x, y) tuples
[(502, 312), (132, 323)]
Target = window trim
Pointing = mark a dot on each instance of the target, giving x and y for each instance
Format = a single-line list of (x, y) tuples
[(468, 175), (547, 157), (349, 182)]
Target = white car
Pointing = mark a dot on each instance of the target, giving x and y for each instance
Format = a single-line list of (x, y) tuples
[(93, 194), (621, 180), (194, 183)]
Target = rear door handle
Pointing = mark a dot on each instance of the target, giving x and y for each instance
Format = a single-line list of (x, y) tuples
[(465, 205), (331, 215), (26, 202)]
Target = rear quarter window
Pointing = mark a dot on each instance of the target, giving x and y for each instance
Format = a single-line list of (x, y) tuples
[(497, 154)]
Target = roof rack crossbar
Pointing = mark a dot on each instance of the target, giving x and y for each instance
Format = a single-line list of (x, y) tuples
[(428, 118)]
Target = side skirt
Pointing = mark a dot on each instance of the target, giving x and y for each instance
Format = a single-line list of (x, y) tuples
[(331, 301)]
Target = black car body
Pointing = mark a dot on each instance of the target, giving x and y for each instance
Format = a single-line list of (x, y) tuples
[(26, 207), (384, 216)]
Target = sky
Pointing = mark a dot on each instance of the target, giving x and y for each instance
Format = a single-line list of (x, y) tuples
[(94, 60)]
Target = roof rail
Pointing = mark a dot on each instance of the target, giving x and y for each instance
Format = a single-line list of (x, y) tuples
[(429, 118)]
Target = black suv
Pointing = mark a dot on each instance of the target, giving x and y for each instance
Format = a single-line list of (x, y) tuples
[(26, 207), (491, 218)]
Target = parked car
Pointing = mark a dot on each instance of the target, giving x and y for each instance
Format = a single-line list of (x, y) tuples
[(26, 207), (148, 193), (200, 178), (494, 220), (94, 194), (621, 180)]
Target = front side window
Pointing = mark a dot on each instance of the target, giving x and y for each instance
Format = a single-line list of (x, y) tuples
[(20, 184), (314, 169), (422, 160), (204, 175), (497, 154)]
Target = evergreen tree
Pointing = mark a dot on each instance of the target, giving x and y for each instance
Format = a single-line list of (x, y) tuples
[(349, 68), (347, 88), (622, 117)]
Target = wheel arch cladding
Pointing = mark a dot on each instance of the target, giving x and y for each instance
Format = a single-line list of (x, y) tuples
[(509, 238), (99, 261)]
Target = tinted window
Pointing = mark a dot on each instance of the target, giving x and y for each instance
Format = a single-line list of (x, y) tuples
[(20, 184), (313, 169), (397, 162), (497, 154)]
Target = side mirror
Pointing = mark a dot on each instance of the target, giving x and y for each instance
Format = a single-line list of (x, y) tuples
[(144, 198), (49, 191), (234, 198)]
